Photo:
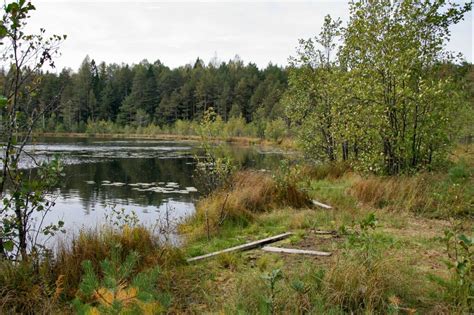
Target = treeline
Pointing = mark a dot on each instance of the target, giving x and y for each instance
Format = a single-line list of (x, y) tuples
[(147, 93)]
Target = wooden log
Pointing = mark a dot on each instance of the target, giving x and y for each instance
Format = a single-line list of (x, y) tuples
[(322, 205), (295, 251), (244, 247)]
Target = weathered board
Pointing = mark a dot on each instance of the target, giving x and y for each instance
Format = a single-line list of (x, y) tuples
[(322, 205), (244, 247), (295, 251)]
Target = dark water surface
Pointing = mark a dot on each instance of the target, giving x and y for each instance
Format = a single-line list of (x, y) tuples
[(152, 178)]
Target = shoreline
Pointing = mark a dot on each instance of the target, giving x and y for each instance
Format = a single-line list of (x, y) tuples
[(286, 143), (243, 140)]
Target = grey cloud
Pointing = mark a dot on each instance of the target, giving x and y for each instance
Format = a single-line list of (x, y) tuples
[(178, 32)]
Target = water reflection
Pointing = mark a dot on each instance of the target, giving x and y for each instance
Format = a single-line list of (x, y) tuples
[(147, 177)]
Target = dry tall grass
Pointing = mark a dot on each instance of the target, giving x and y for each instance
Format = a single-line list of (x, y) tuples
[(429, 194), (27, 289), (408, 193), (250, 193)]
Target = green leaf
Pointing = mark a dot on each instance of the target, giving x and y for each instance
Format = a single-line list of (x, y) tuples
[(463, 238), (3, 99), (8, 245)]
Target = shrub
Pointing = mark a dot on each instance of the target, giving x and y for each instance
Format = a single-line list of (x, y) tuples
[(275, 130), (99, 127), (151, 129), (459, 289), (287, 179)]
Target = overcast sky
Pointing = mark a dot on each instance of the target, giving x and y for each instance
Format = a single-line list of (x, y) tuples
[(178, 32)]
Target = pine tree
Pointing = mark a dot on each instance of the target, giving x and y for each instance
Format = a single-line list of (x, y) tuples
[(117, 289)]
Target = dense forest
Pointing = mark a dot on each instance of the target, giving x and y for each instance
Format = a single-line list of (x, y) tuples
[(152, 93)]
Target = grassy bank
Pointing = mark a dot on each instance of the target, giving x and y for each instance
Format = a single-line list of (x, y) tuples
[(390, 252), (285, 142), (236, 129)]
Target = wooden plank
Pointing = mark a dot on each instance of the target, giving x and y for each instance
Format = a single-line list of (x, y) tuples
[(295, 251), (244, 247), (322, 205)]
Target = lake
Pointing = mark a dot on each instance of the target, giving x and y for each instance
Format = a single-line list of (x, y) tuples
[(152, 178)]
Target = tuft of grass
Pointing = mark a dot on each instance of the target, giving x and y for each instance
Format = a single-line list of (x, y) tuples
[(249, 194), (25, 289), (380, 192), (357, 287), (229, 261)]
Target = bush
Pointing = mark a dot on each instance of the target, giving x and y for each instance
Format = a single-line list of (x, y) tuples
[(459, 288), (151, 129), (276, 130), (99, 127), (183, 127), (235, 127)]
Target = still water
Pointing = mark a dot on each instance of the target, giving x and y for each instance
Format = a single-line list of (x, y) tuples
[(154, 179)]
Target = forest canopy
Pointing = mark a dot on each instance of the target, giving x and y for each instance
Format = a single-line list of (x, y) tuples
[(152, 93)]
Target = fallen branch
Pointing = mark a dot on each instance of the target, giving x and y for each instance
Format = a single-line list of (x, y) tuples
[(322, 205), (295, 251), (244, 247)]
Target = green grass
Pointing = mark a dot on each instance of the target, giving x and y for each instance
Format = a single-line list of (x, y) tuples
[(395, 267)]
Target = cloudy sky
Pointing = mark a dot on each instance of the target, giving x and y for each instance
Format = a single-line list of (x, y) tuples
[(177, 32)]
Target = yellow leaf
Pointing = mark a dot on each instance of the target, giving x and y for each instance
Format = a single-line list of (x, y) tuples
[(104, 296), (59, 286), (126, 296)]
